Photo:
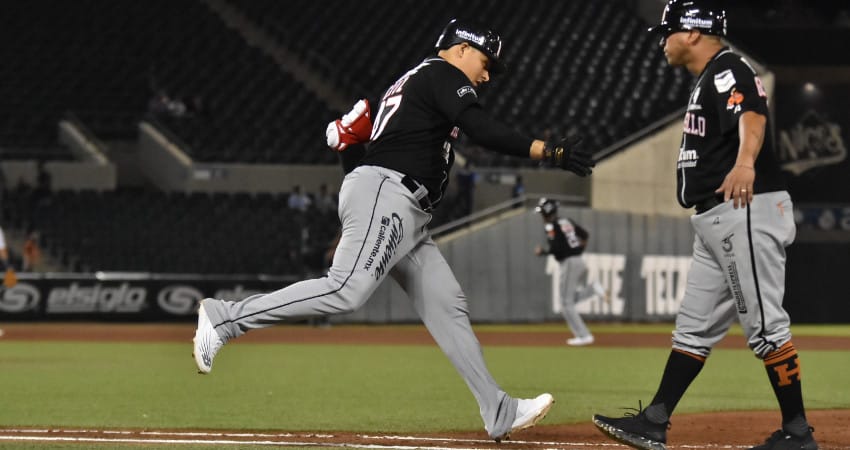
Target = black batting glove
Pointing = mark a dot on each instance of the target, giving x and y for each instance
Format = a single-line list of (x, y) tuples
[(567, 155)]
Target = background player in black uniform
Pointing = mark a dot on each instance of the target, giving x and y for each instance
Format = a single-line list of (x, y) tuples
[(385, 205), (566, 243), (744, 220)]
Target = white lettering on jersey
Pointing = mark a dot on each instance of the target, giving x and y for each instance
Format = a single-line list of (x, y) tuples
[(687, 158), (398, 85), (760, 87), (694, 124), (724, 81), (388, 108), (391, 101)]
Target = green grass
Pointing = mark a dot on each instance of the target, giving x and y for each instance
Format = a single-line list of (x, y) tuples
[(837, 330), (358, 387)]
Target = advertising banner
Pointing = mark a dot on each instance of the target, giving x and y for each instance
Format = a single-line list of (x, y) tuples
[(122, 296)]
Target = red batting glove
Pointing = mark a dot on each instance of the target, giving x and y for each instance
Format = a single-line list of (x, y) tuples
[(355, 127)]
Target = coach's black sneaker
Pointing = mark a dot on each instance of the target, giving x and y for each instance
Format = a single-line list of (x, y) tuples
[(784, 440), (635, 430)]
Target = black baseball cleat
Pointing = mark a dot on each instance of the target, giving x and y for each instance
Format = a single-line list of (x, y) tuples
[(635, 430), (783, 440)]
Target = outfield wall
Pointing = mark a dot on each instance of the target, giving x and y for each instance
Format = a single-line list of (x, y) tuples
[(641, 260)]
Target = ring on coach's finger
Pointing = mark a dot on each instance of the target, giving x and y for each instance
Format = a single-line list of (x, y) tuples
[(743, 190)]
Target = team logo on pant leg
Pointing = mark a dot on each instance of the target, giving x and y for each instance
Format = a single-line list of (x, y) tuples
[(732, 273), (726, 244), (390, 234), (735, 287)]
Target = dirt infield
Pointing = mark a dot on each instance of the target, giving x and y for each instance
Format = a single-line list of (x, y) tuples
[(693, 431)]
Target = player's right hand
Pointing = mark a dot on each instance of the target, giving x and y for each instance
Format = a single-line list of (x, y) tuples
[(355, 127), (568, 155)]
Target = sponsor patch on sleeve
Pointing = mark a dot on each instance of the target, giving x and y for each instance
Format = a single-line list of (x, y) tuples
[(724, 81), (466, 90), (734, 102)]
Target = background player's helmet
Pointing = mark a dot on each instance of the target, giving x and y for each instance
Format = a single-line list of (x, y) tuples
[(478, 36), (547, 206), (684, 15)]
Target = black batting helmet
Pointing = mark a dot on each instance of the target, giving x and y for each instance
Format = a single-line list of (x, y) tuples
[(684, 15), (547, 206), (478, 36)]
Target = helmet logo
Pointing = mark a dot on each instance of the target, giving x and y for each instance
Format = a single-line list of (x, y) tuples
[(695, 22), (468, 36)]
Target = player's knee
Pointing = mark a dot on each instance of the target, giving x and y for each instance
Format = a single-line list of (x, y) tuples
[(350, 303), (448, 304), (351, 292)]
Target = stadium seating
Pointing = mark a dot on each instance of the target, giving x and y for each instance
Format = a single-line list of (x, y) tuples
[(144, 230), (104, 61)]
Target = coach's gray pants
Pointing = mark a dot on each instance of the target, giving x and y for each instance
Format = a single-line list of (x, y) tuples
[(738, 270), (383, 232)]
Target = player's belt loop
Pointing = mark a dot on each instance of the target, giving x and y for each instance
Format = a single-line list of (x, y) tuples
[(419, 191)]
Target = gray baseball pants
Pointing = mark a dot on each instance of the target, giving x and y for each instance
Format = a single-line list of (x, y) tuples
[(738, 270), (383, 232), (574, 288)]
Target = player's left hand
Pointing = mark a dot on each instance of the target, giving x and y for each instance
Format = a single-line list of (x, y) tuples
[(568, 155), (738, 185)]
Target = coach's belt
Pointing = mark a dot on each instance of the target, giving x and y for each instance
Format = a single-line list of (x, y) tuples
[(709, 203), (419, 191)]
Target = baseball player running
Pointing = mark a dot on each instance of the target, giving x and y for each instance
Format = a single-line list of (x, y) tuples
[(744, 220), (567, 241), (385, 205)]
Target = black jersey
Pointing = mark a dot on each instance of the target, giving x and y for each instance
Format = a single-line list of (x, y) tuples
[(566, 238), (727, 87), (415, 123)]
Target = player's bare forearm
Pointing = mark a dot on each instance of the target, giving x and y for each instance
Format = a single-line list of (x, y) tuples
[(738, 184), (751, 132)]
